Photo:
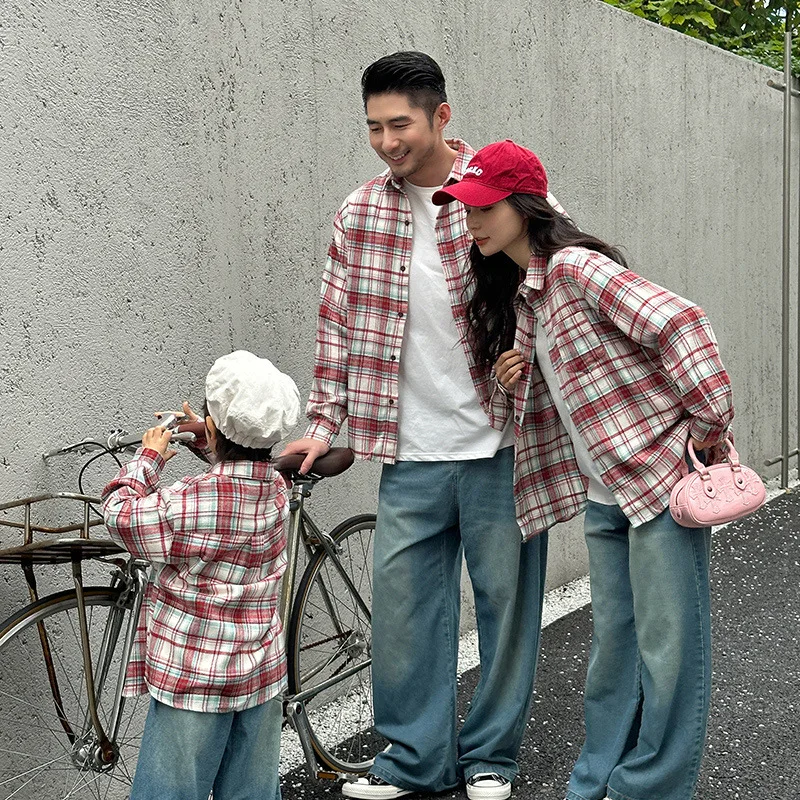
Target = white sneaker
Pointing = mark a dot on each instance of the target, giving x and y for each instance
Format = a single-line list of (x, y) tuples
[(488, 786), (371, 787)]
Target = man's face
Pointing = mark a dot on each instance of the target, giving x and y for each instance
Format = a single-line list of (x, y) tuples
[(402, 135)]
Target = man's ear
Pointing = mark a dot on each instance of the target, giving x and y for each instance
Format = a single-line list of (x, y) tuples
[(442, 116)]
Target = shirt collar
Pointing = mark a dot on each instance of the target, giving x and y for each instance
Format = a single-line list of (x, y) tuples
[(254, 470), (464, 155), (534, 277)]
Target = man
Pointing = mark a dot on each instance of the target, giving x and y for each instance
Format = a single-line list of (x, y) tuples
[(391, 358)]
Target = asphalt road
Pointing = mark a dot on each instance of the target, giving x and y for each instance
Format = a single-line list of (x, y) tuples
[(754, 731)]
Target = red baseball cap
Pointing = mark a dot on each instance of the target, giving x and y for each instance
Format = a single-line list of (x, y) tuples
[(495, 172)]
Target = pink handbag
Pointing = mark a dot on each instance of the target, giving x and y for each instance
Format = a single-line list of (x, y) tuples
[(716, 494)]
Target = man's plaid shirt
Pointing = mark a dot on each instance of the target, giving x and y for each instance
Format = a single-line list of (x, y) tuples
[(640, 373), (209, 638), (363, 310)]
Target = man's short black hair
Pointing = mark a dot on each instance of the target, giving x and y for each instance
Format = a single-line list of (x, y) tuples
[(414, 74)]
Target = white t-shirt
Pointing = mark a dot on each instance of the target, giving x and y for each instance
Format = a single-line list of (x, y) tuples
[(439, 416), (597, 489)]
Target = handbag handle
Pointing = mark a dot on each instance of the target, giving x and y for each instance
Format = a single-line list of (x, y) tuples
[(731, 456)]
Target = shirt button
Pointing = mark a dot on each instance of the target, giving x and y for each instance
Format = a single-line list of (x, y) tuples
[(399, 313), (402, 269), (516, 418), (392, 358), (408, 222), (391, 401)]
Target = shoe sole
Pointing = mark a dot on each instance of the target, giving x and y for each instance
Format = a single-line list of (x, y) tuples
[(485, 793), (373, 792)]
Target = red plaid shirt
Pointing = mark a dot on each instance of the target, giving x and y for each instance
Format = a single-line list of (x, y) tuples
[(640, 373), (209, 638), (363, 310)]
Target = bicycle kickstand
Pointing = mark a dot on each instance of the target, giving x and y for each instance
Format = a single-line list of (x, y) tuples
[(296, 713)]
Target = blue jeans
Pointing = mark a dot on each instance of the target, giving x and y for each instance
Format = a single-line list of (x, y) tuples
[(429, 513), (186, 754), (649, 679)]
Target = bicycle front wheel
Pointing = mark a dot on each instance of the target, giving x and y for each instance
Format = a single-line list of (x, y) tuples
[(329, 642), (48, 747)]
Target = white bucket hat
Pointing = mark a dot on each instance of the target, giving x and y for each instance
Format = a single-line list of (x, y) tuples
[(251, 401)]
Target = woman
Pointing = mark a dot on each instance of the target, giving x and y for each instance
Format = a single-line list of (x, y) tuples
[(608, 377)]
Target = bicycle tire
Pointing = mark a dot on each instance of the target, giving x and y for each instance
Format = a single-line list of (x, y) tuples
[(37, 758), (329, 638)]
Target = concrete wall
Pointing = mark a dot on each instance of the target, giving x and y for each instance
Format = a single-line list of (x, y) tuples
[(170, 170)]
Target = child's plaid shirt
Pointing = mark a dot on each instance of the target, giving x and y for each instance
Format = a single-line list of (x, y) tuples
[(209, 638)]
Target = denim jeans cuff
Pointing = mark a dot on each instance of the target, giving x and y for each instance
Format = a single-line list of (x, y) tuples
[(614, 795), (390, 777), (576, 796), (477, 767)]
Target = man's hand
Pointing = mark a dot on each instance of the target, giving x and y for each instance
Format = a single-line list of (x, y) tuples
[(313, 448), (508, 368), (158, 439)]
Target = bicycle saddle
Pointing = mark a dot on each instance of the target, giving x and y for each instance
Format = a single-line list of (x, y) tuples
[(334, 462)]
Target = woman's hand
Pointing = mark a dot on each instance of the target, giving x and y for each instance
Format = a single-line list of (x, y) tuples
[(508, 368), (158, 439)]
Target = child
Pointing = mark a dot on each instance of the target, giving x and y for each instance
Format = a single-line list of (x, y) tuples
[(209, 648), (608, 377)]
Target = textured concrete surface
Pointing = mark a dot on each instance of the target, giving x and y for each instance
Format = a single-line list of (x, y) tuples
[(170, 170), (753, 732)]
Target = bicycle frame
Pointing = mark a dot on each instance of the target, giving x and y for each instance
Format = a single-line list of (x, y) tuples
[(302, 529)]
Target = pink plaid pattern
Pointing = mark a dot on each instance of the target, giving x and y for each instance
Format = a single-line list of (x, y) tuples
[(209, 638), (640, 372), (363, 309)]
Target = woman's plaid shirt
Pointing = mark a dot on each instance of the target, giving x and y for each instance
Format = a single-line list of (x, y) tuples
[(640, 373), (209, 638)]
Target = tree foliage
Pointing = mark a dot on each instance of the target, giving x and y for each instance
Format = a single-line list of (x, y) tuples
[(750, 28)]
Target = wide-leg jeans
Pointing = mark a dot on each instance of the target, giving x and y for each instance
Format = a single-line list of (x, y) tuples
[(649, 678), (185, 754), (428, 514)]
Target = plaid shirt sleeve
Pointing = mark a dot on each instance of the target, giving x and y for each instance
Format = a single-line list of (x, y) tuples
[(136, 513), (676, 331), (327, 404)]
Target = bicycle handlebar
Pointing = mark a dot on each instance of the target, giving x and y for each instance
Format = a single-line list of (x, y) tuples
[(183, 433)]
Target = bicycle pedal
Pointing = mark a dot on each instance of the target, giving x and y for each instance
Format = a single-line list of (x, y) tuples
[(327, 775)]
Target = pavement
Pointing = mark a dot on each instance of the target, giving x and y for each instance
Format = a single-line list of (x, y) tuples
[(753, 746)]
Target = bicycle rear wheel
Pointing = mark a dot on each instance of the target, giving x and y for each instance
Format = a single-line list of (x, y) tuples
[(329, 642), (45, 754)]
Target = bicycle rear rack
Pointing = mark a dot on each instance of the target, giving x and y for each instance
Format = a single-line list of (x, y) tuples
[(56, 551)]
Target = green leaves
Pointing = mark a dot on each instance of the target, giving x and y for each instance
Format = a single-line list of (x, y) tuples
[(750, 28)]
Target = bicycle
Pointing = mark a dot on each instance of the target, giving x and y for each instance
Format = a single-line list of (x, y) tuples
[(67, 731)]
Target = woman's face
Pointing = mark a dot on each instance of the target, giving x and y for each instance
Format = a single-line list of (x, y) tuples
[(498, 228)]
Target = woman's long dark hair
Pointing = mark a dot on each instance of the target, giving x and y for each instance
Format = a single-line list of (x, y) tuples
[(495, 279)]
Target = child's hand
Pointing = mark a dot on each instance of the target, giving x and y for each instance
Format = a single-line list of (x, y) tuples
[(158, 439), (508, 368), (184, 416)]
